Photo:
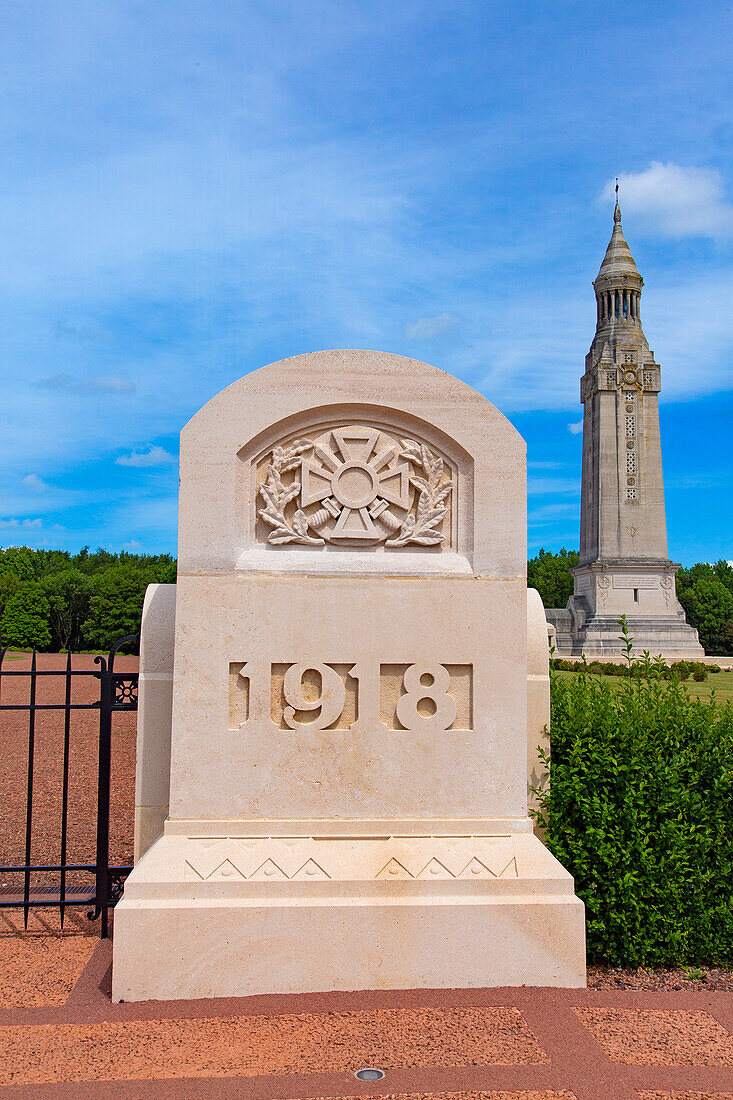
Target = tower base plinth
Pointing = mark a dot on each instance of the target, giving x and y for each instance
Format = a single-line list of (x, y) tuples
[(600, 636)]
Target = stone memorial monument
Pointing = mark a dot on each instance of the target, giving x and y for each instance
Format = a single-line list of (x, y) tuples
[(346, 804), (624, 565)]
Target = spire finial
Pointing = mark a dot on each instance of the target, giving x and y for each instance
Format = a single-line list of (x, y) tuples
[(617, 208)]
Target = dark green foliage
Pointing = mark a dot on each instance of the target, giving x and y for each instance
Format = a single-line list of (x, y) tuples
[(67, 594), (706, 593), (54, 600), (9, 583), (115, 605), (550, 574), (21, 562), (25, 619), (724, 572), (639, 810)]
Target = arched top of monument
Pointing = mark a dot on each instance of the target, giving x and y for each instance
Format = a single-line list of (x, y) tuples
[(326, 377), (352, 461)]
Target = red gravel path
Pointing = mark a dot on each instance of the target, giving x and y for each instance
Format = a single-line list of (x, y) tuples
[(493, 1044)]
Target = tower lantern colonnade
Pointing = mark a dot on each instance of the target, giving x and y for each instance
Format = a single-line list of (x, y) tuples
[(624, 565)]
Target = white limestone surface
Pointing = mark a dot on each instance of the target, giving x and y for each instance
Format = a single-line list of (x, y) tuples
[(154, 714), (155, 707), (348, 797), (538, 699)]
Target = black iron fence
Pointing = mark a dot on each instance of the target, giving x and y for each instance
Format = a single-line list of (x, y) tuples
[(117, 691)]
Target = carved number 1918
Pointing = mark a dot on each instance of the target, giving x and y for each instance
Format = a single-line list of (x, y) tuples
[(425, 684)]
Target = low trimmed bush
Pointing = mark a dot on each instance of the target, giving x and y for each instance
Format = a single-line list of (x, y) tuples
[(678, 670), (640, 811)]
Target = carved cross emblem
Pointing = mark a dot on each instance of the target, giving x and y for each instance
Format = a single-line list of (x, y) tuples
[(355, 484)]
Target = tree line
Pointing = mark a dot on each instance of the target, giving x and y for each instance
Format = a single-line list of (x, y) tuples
[(704, 590), (55, 600)]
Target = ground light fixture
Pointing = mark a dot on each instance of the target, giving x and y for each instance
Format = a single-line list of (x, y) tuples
[(369, 1073)]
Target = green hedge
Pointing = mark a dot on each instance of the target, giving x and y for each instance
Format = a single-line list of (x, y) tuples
[(677, 670), (640, 811)]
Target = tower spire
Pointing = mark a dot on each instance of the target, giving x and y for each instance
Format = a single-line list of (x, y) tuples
[(618, 260), (618, 283), (624, 566)]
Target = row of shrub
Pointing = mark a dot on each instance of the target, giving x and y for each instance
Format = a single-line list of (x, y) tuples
[(677, 670), (639, 809), (52, 600)]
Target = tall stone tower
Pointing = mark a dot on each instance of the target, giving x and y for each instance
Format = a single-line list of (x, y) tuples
[(624, 566)]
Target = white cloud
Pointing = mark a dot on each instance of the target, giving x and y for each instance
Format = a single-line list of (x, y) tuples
[(102, 383), (576, 428), (537, 515), (110, 383), (676, 201), (155, 456), (530, 362), (152, 521), (65, 330), (19, 524), (35, 484), (26, 496), (690, 327), (539, 486), (427, 328)]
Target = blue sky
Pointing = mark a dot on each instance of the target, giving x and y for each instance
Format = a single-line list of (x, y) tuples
[(192, 190)]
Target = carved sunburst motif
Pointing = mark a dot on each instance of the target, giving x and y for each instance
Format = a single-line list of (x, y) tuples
[(355, 484), (356, 481)]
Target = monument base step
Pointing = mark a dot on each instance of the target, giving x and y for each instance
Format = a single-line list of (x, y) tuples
[(233, 917), (601, 637)]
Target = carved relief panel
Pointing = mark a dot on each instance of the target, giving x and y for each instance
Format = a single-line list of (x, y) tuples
[(363, 697), (354, 484)]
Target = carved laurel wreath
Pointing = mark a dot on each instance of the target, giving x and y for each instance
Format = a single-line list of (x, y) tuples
[(421, 526), (277, 496)]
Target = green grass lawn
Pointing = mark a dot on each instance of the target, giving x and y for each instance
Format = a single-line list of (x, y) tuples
[(721, 681)]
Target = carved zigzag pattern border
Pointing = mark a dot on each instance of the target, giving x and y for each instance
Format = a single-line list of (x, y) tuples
[(393, 870), (435, 868), (269, 871)]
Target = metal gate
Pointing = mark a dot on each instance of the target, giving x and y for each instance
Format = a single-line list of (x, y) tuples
[(117, 692)]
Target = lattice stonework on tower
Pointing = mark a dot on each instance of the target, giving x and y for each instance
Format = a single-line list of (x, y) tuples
[(632, 489)]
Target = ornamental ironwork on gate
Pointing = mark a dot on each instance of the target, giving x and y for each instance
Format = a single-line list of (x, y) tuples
[(116, 691)]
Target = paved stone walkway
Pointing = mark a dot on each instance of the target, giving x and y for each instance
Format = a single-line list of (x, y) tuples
[(61, 1037)]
